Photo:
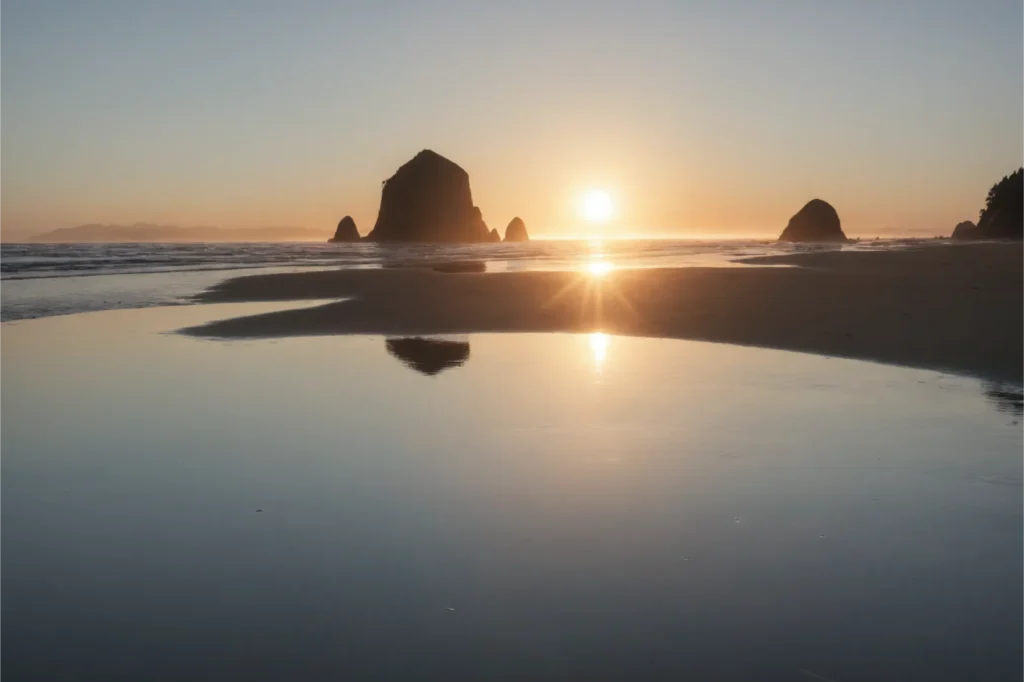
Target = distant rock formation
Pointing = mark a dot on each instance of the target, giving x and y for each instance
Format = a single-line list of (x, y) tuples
[(346, 231), (148, 233), (1003, 215), (494, 236), (428, 200), (817, 221), (428, 356), (516, 231), (964, 230)]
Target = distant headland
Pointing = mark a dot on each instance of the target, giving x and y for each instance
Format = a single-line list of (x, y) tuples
[(144, 232)]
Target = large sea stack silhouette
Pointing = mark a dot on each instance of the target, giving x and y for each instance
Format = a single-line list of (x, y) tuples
[(1003, 215), (346, 231), (516, 231), (428, 200), (817, 221)]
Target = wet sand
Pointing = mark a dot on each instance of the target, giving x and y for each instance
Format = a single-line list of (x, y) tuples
[(957, 308)]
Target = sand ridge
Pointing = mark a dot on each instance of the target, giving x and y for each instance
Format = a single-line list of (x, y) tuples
[(957, 308)]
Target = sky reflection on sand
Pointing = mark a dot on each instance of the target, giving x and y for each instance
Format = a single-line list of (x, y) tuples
[(572, 497)]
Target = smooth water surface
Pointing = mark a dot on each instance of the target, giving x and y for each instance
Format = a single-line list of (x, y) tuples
[(491, 507)]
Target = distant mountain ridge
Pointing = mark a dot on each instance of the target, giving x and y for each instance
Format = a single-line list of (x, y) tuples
[(144, 232)]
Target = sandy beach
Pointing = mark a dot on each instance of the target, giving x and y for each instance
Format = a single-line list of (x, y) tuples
[(956, 308)]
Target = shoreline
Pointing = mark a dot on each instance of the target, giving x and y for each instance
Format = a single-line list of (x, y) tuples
[(957, 308)]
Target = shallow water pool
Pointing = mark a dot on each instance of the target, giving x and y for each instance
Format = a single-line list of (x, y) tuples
[(497, 507)]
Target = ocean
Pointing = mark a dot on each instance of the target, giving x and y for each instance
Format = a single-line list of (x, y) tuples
[(41, 280)]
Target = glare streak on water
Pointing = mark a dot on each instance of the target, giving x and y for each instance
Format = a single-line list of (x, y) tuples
[(28, 271)]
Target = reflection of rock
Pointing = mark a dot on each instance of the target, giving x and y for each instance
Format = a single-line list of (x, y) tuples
[(1005, 397), (428, 356), (428, 200), (516, 231), (440, 266), (817, 221), (460, 266), (964, 230), (346, 231)]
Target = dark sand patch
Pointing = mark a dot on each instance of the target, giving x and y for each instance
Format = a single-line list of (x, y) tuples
[(958, 308)]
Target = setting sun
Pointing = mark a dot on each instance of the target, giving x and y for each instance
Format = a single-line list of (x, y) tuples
[(596, 206)]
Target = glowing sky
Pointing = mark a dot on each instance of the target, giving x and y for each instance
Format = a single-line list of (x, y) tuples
[(698, 117)]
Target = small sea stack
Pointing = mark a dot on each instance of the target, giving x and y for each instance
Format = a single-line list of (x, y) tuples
[(817, 221), (965, 230), (346, 231), (516, 231)]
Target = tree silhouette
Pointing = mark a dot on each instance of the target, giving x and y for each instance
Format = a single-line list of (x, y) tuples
[(1003, 215)]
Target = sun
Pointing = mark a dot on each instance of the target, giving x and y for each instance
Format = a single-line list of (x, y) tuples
[(596, 206)]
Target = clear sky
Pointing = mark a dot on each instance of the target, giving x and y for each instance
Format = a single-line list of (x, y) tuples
[(698, 117)]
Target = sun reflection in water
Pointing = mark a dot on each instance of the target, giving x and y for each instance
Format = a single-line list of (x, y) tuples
[(599, 347)]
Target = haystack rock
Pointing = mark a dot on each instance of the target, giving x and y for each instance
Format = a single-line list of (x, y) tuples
[(817, 221), (965, 230), (516, 231), (346, 231), (428, 200)]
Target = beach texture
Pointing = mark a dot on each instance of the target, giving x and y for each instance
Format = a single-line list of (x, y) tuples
[(955, 308)]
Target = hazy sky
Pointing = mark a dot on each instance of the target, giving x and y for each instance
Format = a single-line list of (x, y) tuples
[(699, 117)]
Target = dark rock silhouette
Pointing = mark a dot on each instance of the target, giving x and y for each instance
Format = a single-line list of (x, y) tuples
[(479, 226), (428, 356), (428, 200), (817, 221), (964, 230), (516, 231), (1007, 398), (1003, 215), (494, 236), (346, 231)]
